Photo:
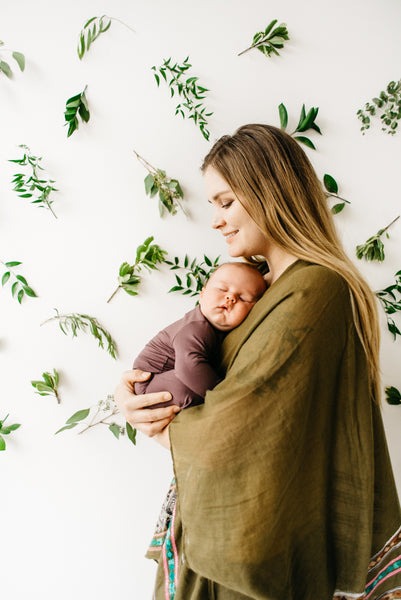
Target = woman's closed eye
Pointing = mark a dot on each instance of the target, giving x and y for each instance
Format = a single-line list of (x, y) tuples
[(227, 204)]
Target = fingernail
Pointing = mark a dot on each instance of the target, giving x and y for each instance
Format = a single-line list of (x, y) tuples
[(167, 397)]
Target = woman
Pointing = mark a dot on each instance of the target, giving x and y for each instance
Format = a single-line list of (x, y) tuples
[(285, 488)]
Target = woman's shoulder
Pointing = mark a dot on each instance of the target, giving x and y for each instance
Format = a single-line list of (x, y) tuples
[(311, 277)]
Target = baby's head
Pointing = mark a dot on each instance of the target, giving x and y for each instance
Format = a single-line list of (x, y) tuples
[(230, 293)]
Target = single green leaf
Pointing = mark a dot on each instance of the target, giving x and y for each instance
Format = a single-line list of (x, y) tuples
[(330, 184), (115, 430), (20, 58), (283, 116), (5, 278), (305, 140), (5, 67), (149, 182), (131, 433), (13, 263), (70, 426), (80, 415), (2, 443)]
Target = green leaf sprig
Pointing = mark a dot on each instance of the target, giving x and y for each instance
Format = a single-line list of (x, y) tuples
[(391, 304), (269, 40), (148, 256), (306, 122), (393, 396), (331, 187), (31, 185), (91, 31), (74, 322), (20, 286), (188, 89), (373, 248), (170, 192), (17, 56), (76, 105), (98, 418), (6, 430), (387, 106), (197, 274), (48, 385)]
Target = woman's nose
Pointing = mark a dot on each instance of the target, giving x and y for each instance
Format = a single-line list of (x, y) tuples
[(217, 220)]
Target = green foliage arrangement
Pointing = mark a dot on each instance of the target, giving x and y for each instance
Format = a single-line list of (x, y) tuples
[(148, 256), (373, 248), (306, 122), (17, 56), (20, 285), (31, 185), (99, 418), (91, 31), (393, 396), (6, 430), (188, 89), (197, 274), (169, 190), (269, 40), (390, 302), (331, 191), (76, 105), (75, 322), (387, 106), (48, 385)]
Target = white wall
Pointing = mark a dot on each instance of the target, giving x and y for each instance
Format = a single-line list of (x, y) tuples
[(76, 511)]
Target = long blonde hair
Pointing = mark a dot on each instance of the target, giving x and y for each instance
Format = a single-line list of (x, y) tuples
[(278, 187)]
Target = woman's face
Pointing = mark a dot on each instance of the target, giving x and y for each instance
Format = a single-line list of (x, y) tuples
[(241, 233)]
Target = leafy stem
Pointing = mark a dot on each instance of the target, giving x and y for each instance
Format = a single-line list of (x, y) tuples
[(48, 386), (76, 105), (188, 89), (17, 56), (74, 323), (331, 187), (306, 122), (388, 104), (393, 395), (20, 286), (6, 430), (373, 248), (25, 185), (269, 40), (170, 192), (92, 29), (148, 256), (390, 303), (197, 274)]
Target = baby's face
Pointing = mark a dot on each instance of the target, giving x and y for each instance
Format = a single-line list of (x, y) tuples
[(229, 295)]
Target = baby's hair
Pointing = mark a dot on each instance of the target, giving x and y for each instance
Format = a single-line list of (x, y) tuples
[(244, 265)]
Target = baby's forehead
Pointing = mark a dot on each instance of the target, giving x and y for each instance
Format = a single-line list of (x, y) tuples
[(250, 277)]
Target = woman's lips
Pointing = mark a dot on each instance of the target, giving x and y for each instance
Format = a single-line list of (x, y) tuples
[(229, 236)]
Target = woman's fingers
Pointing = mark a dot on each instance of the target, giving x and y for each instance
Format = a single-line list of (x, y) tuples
[(152, 429)]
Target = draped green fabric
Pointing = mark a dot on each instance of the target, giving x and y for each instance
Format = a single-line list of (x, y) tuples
[(285, 487)]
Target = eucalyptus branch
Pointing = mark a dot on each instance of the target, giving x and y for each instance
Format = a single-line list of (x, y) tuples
[(17, 56), (92, 29), (197, 274), (170, 192), (373, 248), (188, 89), (269, 40), (26, 186), (331, 187), (48, 386), (388, 104), (390, 303), (306, 122), (393, 396), (20, 286), (76, 105), (6, 430), (104, 406), (148, 256), (74, 323)]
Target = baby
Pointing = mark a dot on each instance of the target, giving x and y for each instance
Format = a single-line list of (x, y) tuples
[(183, 358)]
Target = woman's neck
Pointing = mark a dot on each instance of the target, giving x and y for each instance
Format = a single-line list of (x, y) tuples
[(278, 260)]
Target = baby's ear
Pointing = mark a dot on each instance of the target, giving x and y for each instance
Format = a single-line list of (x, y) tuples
[(201, 292)]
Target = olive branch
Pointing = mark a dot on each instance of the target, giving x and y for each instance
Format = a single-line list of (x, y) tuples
[(92, 29), (73, 323)]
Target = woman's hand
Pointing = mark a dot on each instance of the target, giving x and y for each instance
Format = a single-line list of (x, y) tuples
[(151, 422)]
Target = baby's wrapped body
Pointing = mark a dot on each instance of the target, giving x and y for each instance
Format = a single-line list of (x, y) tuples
[(183, 359)]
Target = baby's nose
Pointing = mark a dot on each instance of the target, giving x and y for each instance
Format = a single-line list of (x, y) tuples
[(230, 299)]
